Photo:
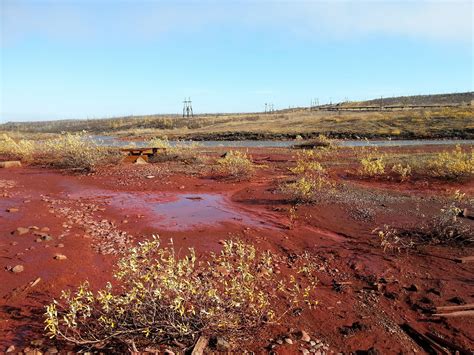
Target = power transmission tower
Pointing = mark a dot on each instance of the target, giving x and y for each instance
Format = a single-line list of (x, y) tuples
[(187, 108), (266, 107)]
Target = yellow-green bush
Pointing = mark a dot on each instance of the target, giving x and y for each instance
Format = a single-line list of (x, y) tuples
[(181, 151), (453, 164), (158, 143), (308, 189), (403, 171), (306, 163), (164, 298), (16, 149), (236, 164), (312, 182), (372, 163), (75, 151)]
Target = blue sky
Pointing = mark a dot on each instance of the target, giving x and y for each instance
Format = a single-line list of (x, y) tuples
[(104, 58)]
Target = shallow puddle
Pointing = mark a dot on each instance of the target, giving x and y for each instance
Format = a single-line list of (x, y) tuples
[(172, 211)]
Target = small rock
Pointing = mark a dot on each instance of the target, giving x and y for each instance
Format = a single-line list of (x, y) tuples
[(37, 342), (18, 268), (34, 227), (279, 341), (10, 349), (413, 288), (12, 210), (150, 176), (288, 341), (52, 350), (60, 257), (22, 230), (305, 351), (10, 164), (45, 229), (304, 336), (60, 245)]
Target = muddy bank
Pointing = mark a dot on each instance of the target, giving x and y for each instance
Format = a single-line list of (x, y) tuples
[(467, 133)]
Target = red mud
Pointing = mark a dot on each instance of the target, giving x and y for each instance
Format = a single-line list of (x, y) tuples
[(197, 211)]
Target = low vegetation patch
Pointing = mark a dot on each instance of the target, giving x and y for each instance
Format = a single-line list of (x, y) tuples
[(312, 182), (70, 151), (446, 228), (168, 299), (16, 149), (185, 152), (236, 165), (77, 152), (453, 164), (372, 162)]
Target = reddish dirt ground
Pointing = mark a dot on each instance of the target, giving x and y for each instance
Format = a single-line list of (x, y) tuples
[(364, 294)]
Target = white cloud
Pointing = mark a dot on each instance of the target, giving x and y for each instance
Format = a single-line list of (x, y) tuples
[(86, 19)]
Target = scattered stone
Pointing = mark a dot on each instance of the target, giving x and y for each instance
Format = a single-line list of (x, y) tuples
[(279, 341), (305, 351), (10, 349), (140, 161), (45, 229), (60, 257), (34, 227), (10, 164), (18, 268), (22, 230), (150, 176), (288, 341), (412, 288), (304, 336), (52, 350), (14, 243), (37, 342), (12, 210), (60, 245)]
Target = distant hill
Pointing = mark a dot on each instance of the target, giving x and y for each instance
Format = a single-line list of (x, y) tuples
[(423, 116), (438, 99)]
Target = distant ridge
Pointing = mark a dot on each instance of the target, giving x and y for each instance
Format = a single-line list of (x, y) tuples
[(437, 99)]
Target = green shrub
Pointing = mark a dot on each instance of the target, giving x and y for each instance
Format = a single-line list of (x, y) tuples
[(404, 172), (308, 189), (236, 165), (453, 164), (164, 298), (372, 164)]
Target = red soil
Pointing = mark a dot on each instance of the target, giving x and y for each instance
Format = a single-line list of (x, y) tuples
[(382, 292)]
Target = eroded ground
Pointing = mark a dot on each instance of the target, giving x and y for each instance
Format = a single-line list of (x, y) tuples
[(64, 229)]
